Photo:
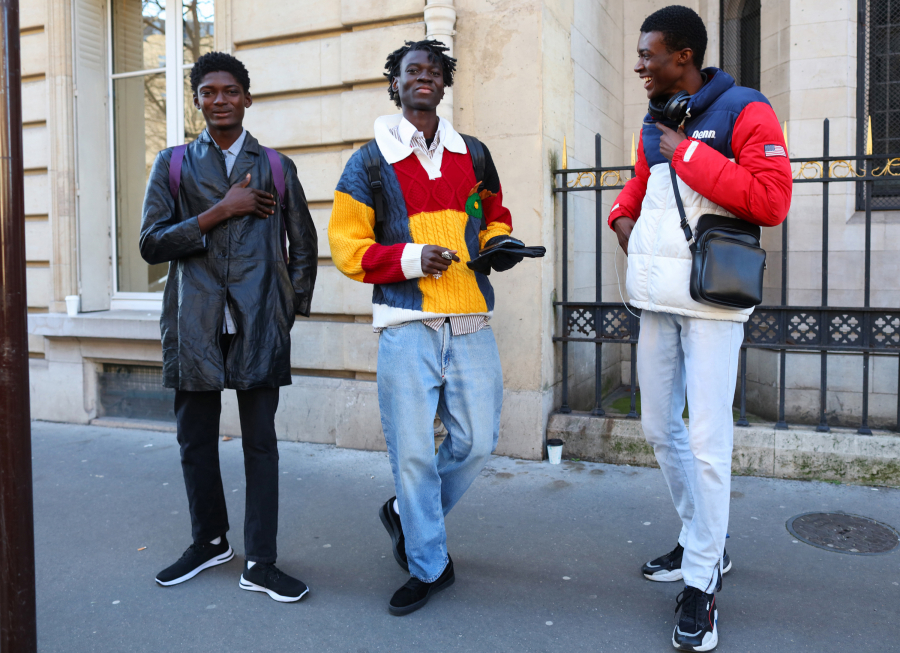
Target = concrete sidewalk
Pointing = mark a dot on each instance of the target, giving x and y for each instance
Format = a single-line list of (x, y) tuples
[(547, 559)]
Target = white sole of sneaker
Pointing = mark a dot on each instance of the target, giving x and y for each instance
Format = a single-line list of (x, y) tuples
[(708, 645), (214, 562), (665, 576), (253, 587), (675, 574)]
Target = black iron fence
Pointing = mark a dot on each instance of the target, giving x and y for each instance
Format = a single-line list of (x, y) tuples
[(782, 328)]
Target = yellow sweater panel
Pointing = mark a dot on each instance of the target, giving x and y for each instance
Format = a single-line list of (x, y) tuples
[(351, 232)]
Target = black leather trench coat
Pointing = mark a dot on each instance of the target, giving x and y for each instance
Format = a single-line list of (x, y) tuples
[(240, 261)]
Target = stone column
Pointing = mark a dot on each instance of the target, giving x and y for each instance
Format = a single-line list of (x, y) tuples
[(440, 19), (61, 123)]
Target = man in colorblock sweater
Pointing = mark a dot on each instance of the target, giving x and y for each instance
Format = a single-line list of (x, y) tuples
[(436, 350)]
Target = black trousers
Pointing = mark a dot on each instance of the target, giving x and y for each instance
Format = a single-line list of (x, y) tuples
[(197, 415)]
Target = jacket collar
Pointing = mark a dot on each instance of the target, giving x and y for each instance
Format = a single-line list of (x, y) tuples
[(717, 82), (250, 144), (393, 150)]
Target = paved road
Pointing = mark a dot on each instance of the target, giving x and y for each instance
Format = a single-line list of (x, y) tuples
[(547, 559)]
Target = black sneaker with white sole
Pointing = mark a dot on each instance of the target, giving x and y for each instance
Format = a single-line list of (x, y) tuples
[(197, 558), (667, 568), (274, 582), (697, 619)]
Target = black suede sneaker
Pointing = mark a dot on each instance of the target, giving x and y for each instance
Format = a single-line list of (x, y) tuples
[(696, 628), (274, 582), (415, 593), (392, 525), (667, 568), (197, 558)]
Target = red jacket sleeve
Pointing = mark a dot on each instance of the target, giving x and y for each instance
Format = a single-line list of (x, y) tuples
[(628, 203), (757, 185)]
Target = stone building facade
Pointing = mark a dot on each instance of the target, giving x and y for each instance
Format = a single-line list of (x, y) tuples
[(104, 90)]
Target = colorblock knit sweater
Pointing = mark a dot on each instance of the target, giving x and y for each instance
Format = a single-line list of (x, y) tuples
[(423, 205)]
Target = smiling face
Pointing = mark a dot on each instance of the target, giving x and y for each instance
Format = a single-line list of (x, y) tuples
[(222, 100), (421, 82), (661, 71)]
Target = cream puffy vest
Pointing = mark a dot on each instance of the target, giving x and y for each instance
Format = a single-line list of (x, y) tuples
[(659, 259)]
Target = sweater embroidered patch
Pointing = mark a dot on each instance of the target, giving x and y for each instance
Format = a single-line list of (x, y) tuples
[(775, 150), (475, 203)]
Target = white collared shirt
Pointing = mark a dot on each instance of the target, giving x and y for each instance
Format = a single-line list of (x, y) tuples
[(396, 147), (230, 157), (406, 133)]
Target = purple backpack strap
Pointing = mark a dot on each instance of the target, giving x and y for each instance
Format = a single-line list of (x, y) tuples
[(277, 174), (278, 179), (175, 169)]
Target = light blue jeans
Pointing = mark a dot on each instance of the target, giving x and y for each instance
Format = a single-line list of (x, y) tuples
[(421, 371)]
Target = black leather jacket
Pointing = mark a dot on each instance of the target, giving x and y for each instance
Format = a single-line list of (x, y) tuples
[(240, 261)]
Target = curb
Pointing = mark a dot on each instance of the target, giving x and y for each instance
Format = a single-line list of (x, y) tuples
[(798, 453)]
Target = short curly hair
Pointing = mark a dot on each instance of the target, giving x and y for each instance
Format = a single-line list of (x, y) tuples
[(681, 27), (437, 52), (213, 62)]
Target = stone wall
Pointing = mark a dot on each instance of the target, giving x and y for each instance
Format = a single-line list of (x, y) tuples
[(36, 144), (316, 78)]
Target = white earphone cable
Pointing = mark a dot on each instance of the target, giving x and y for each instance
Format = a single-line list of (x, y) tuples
[(618, 282)]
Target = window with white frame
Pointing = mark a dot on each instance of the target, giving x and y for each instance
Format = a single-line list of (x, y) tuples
[(153, 50)]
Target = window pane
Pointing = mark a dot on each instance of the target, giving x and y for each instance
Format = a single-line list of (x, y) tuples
[(880, 91), (140, 132), (139, 35), (193, 119), (198, 28)]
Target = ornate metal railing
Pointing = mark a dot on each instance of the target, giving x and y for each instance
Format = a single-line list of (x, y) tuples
[(865, 330)]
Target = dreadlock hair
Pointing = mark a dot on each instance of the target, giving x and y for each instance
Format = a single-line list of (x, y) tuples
[(213, 62), (436, 53), (681, 28)]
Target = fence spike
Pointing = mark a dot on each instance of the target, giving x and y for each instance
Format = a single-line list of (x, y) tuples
[(785, 136), (565, 158), (633, 151)]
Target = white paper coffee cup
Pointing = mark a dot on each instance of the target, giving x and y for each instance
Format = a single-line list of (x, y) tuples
[(554, 450), (73, 304)]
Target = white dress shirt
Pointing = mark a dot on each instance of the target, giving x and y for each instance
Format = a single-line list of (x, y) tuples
[(230, 156)]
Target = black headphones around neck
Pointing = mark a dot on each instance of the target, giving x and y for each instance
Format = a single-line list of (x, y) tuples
[(673, 109)]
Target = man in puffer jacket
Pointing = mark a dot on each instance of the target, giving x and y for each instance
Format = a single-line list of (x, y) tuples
[(729, 154)]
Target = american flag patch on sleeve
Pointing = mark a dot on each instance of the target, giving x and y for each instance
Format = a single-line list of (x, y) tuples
[(775, 150)]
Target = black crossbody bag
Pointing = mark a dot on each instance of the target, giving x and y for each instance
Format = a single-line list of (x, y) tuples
[(727, 262)]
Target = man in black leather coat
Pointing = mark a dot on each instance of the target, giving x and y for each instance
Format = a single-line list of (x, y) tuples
[(228, 307)]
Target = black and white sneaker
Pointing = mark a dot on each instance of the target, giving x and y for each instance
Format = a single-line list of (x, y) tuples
[(667, 568), (274, 582), (197, 558), (696, 628)]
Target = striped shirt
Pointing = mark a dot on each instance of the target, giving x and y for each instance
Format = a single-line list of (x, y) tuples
[(460, 325)]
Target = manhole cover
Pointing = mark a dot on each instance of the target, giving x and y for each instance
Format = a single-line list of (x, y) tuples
[(838, 531)]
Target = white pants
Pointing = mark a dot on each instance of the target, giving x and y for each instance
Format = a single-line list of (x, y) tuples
[(678, 355)]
